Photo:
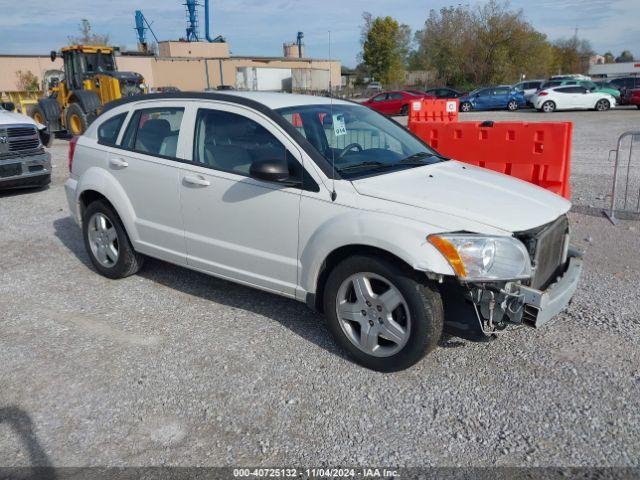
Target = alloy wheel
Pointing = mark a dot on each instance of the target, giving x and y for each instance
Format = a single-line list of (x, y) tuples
[(373, 314), (103, 240), (548, 107)]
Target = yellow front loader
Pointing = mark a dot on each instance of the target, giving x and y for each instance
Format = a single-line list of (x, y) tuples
[(90, 80)]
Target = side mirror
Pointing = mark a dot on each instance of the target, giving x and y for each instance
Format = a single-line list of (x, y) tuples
[(271, 170), (53, 55), (9, 106)]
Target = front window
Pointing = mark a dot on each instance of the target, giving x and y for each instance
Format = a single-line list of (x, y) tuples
[(99, 62), (357, 140)]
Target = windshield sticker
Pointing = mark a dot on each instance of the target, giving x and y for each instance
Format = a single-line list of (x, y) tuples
[(339, 126)]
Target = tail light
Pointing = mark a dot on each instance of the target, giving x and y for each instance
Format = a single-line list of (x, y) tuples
[(543, 93), (72, 151)]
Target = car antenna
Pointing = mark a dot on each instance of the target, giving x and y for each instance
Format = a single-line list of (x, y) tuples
[(334, 195)]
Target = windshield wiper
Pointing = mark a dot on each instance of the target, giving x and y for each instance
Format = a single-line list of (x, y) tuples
[(412, 160), (362, 164), (416, 158)]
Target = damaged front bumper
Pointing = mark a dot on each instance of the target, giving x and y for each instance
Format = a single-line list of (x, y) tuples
[(498, 305), (541, 306)]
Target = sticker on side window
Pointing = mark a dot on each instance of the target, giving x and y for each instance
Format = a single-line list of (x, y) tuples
[(339, 126)]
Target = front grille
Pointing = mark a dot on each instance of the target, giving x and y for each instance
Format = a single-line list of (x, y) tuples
[(13, 132), (22, 139), (20, 145), (547, 247)]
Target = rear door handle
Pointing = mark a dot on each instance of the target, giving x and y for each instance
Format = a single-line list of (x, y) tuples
[(118, 163), (196, 180)]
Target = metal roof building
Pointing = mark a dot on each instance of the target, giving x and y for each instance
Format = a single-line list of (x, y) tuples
[(615, 69)]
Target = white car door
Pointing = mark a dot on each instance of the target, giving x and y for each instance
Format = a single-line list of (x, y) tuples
[(566, 98), (583, 98), (235, 226), (146, 163)]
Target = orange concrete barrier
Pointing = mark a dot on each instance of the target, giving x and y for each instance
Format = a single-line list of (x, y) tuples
[(433, 110), (539, 153)]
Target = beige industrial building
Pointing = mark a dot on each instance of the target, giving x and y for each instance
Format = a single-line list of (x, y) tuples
[(196, 66)]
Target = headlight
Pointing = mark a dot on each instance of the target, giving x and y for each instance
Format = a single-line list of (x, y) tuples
[(480, 258)]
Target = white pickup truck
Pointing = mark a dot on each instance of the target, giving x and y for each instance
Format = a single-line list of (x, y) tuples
[(23, 161), (326, 202)]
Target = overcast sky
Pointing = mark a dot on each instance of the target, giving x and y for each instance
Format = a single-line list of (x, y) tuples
[(258, 27)]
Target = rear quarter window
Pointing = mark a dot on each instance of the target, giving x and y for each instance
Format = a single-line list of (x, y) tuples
[(109, 129)]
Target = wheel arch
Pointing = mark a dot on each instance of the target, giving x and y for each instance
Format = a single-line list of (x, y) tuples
[(98, 185), (315, 300)]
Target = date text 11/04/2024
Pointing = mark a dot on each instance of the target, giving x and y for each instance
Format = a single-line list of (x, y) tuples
[(315, 472)]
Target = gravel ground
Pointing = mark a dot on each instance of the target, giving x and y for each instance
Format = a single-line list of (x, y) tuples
[(171, 367)]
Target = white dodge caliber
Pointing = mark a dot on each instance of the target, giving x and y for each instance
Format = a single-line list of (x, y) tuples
[(326, 202)]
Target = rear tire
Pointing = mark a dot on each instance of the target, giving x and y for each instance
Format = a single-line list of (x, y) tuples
[(602, 105), (404, 110), (466, 107), (418, 312), (76, 119), (548, 106), (109, 249)]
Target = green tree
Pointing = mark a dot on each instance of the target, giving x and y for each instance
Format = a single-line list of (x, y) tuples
[(571, 55), (27, 81), (625, 56), (609, 58), (385, 46), (486, 44)]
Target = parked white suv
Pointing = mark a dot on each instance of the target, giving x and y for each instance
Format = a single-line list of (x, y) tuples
[(243, 186)]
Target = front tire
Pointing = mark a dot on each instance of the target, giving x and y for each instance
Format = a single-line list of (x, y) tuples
[(404, 110), (384, 316), (107, 242), (465, 107), (603, 105), (512, 106)]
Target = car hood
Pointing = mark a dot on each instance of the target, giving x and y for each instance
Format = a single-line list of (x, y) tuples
[(468, 192), (12, 118)]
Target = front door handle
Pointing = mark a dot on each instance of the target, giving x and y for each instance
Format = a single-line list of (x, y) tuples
[(118, 163), (196, 180)]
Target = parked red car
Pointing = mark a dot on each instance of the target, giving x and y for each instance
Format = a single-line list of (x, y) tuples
[(394, 103), (634, 98)]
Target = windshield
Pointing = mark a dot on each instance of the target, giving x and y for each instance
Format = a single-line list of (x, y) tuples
[(99, 62), (358, 140)]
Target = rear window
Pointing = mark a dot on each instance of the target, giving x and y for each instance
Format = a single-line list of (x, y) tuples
[(109, 130), (154, 131)]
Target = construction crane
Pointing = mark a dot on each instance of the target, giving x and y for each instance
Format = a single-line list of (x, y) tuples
[(142, 25)]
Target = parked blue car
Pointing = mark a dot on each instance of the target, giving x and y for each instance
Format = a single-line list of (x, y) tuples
[(493, 98)]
